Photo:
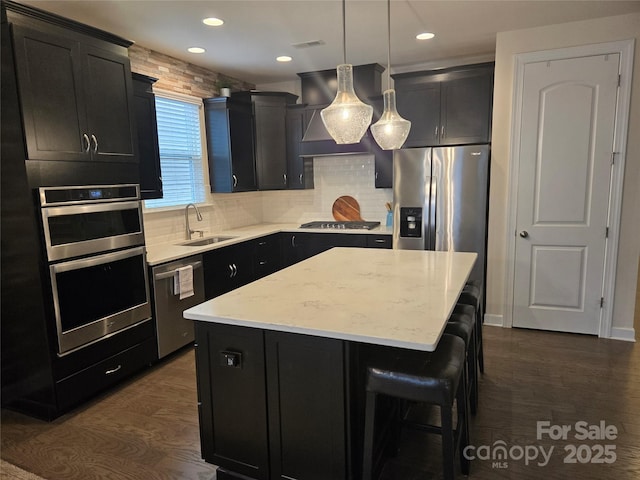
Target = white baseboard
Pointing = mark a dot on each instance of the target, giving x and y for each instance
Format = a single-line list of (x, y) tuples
[(493, 320), (626, 334)]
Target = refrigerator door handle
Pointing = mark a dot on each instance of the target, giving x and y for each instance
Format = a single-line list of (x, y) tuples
[(433, 208)]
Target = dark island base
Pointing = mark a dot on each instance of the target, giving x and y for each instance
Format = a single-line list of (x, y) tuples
[(277, 405), (222, 474)]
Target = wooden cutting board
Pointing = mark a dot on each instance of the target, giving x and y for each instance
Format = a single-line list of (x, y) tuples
[(346, 209)]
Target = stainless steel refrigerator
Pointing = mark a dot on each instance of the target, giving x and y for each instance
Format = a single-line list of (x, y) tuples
[(440, 200)]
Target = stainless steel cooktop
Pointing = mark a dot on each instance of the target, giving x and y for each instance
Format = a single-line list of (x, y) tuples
[(341, 225)]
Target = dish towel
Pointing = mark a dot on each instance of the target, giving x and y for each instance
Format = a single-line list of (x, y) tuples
[(183, 282)]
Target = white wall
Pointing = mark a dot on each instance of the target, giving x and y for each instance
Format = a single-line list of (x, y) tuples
[(546, 38)]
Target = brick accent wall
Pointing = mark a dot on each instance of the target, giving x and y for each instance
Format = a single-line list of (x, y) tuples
[(179, 76)]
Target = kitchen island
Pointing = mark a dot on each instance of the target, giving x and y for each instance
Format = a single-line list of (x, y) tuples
[(281, 361)]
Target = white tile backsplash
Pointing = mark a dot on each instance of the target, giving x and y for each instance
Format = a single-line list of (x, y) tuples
[(333, 176)]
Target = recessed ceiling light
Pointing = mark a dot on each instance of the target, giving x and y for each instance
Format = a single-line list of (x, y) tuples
[(425, 36), (284, 58), (213, 21), (196, 50)]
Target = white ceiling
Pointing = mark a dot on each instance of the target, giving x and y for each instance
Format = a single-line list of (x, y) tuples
[(256, 31)]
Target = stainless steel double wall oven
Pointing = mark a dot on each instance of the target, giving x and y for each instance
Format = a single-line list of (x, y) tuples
[(96, 258)]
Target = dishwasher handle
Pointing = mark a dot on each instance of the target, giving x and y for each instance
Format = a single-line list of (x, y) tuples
[(171, 273)]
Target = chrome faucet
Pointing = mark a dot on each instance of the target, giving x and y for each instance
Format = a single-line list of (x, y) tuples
[(189, 232)]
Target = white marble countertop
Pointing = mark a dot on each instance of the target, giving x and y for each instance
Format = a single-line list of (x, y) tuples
[(167, 252), (399, 298)]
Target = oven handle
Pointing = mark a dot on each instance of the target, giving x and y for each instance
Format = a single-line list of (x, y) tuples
[(98, 207), (171, 273), (96, 260)]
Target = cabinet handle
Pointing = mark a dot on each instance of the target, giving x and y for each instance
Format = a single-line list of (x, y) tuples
[(263, 262), (435, 134), (235, 181), (262, 244), (300, 179), (293, 241), (442, 132), (379, 240), (95, 143), (113, 370), (86, 139), (231, 271), (376, 175), (235, 270), (284, 177)]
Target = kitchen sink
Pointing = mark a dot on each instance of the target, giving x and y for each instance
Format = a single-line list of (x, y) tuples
[(199, 242)]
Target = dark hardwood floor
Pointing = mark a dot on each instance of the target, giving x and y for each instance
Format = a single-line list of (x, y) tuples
[(148, 427)]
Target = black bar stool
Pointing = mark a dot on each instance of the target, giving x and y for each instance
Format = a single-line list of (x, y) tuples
[(435, 379), (462, 324), (472, 295)]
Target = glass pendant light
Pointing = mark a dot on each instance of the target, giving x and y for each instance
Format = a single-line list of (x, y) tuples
[(391, 131), (347, 118)]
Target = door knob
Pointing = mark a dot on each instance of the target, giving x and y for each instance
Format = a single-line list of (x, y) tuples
[(524, 234)]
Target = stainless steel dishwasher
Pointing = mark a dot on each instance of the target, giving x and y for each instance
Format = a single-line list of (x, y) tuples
[(173, 330)]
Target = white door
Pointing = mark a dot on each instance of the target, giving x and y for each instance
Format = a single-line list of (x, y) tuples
[(567, 126)]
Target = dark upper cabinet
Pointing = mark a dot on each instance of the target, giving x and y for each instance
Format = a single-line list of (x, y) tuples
[(420, 104), (299, 168), (247, 139), (76, 96), (270, 123), (230, 143), (466, 108), (271, 141), (447, 107), (144, 108)]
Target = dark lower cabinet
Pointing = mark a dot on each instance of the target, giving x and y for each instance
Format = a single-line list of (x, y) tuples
[(87, 382), (294, 247), (234, 266), (300, 246), (228, 268), (232, 399), (268, 258), (306, 398), (256, 390), (379, 241)]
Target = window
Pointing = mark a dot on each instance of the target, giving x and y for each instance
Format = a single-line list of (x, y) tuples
[(180, 142)]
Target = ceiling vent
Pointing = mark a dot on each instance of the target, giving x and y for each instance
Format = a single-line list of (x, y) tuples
[(309, 44)]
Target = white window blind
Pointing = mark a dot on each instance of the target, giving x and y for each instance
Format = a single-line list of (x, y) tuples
[(180, 153)]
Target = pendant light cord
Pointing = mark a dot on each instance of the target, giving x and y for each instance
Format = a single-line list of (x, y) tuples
[(388, 44), (344, 31)]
